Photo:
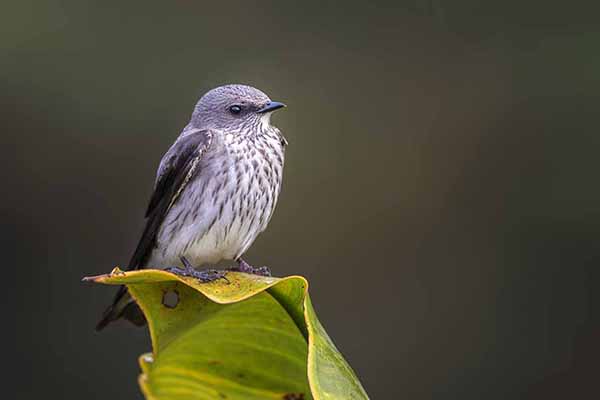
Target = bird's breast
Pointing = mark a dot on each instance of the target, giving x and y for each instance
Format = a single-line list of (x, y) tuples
[(229, 202)]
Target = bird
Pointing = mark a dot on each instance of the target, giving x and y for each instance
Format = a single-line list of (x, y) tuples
[(215, 191)]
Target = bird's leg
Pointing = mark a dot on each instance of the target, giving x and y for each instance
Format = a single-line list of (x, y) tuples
[(204, 276), (243, 266)]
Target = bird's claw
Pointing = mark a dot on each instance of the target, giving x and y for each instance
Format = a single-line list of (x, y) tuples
[(204, 276), (246, 268), (262, 271)]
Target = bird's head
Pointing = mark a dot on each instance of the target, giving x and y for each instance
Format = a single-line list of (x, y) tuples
[(234, 108)]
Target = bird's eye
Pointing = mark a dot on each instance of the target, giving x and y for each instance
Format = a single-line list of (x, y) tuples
[(235, 109)]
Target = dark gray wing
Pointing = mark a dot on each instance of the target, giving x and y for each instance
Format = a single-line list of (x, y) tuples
[(177, 167)]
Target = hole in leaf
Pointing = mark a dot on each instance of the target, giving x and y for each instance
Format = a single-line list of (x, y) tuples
[(170, 299)]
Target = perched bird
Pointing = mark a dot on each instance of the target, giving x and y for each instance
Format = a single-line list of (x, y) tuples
[(215, 191)]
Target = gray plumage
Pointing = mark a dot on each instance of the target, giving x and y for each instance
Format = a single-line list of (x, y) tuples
[(215, 190)]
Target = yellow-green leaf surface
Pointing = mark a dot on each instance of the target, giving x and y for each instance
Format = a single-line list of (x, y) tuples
[(244, 338)]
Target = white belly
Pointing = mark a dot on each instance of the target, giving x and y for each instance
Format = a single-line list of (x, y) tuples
[(219, 214)]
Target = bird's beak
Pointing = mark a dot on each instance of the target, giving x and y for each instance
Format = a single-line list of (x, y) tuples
[(271, 106)]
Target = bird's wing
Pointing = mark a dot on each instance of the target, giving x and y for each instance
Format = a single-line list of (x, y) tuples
[(176, 169)]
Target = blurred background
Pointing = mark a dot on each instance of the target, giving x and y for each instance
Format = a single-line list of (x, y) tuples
[(441, 190)]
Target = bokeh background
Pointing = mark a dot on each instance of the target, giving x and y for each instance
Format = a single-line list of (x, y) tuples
[(441, 188)]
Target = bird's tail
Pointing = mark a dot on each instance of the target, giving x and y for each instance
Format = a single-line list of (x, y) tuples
[(123, 306)]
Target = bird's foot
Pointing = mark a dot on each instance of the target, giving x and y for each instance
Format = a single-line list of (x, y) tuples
[(204, 276), (244, 267)]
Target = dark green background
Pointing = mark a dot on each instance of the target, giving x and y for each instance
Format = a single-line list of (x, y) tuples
[(441, 190)]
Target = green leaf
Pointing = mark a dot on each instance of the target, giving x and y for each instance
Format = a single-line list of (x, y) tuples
[(246, 338)]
